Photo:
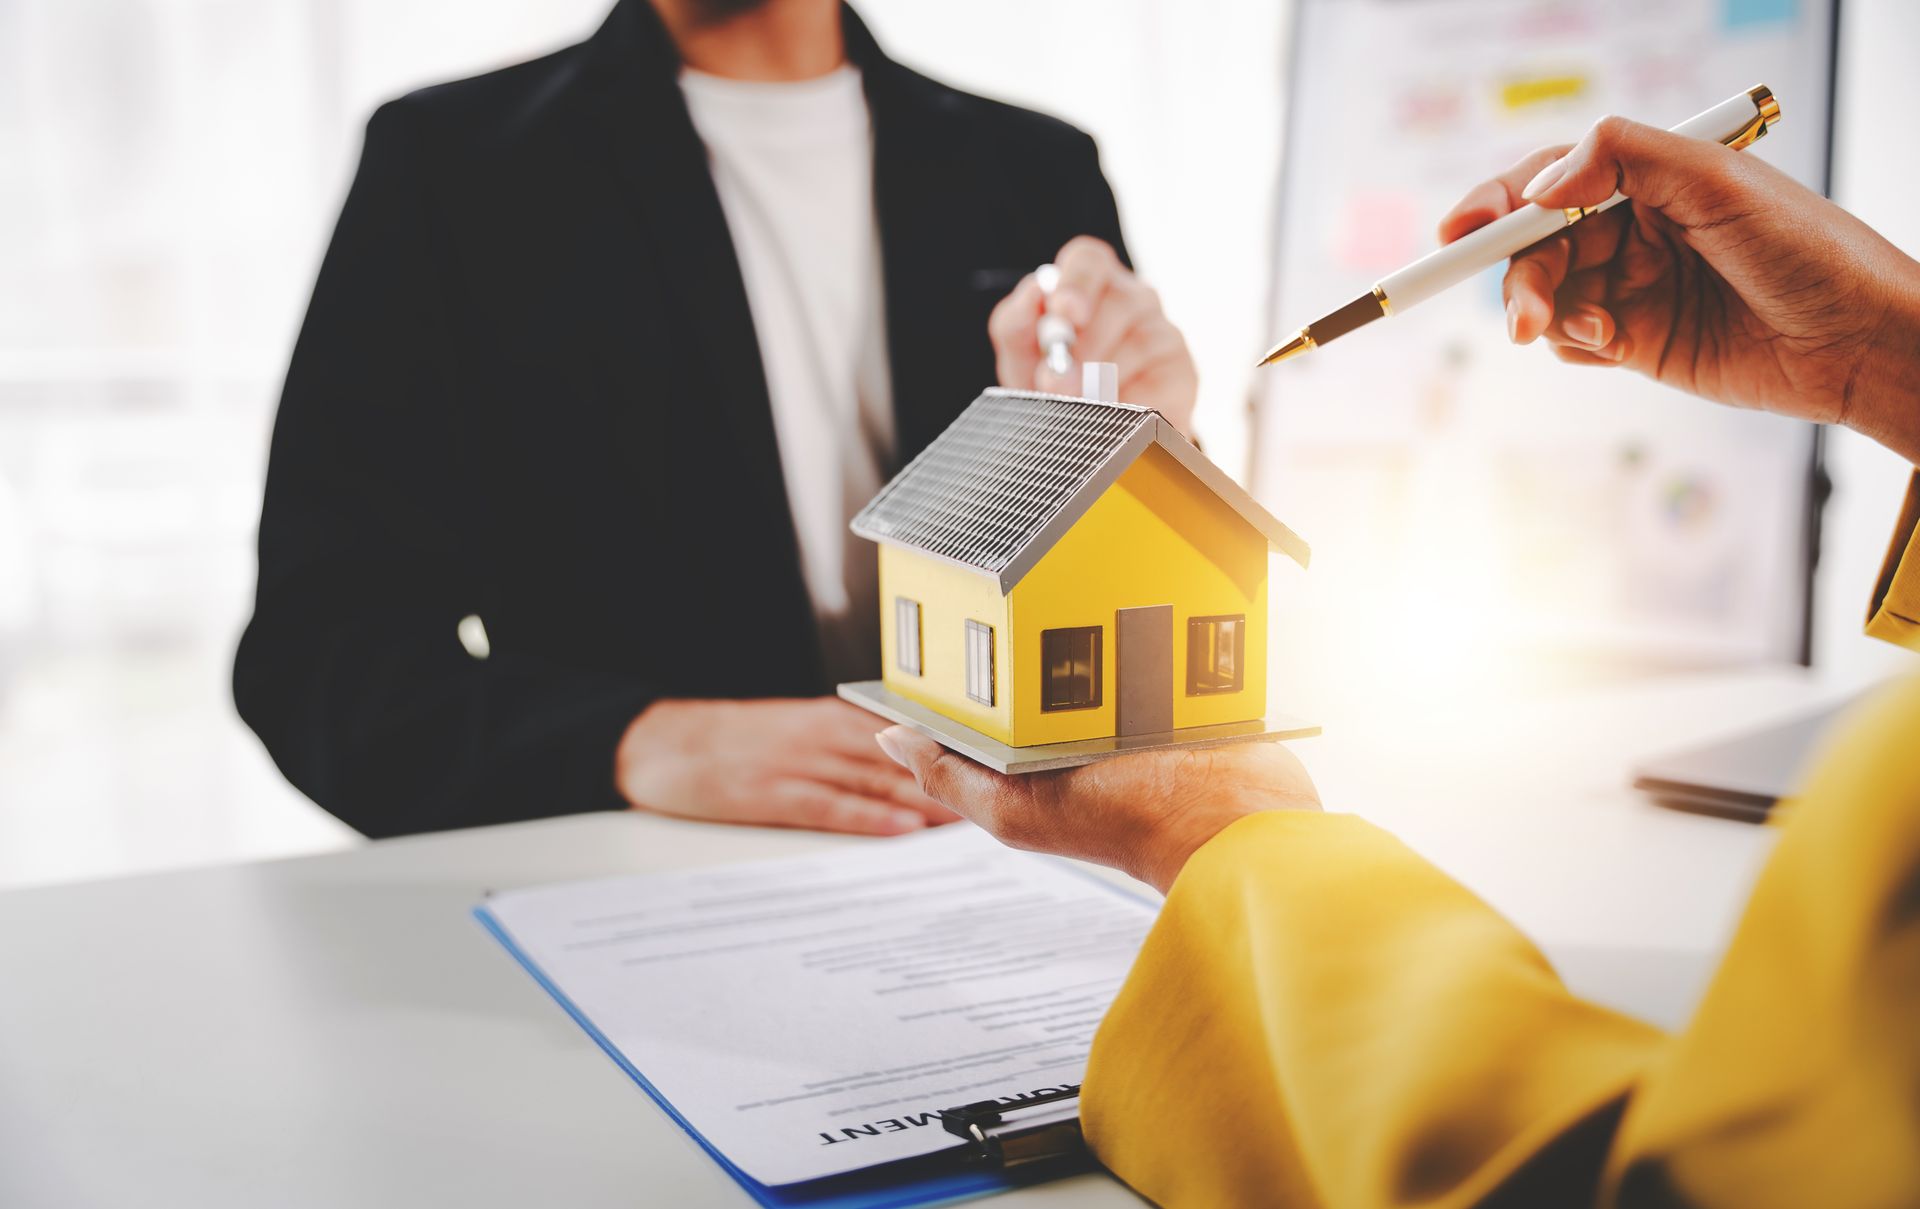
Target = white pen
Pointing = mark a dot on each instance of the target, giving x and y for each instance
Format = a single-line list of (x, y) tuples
[(1055, 333), (1736, 122)]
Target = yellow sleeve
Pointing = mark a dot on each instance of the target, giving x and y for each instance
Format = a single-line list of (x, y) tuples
[(1321, 1018), (1895, 612), (1798, 1080)]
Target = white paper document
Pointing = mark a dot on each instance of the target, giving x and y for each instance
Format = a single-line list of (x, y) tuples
[(811, 1016)]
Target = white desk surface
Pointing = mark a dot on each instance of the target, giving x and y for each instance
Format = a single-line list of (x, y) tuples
[(336, 1030)]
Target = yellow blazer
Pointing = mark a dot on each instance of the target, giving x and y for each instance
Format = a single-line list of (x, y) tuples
[(1322, 1018)]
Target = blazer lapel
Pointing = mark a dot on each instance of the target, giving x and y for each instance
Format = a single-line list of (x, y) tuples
[(929, 208), (646, 135), (658, 155), (928, 203)]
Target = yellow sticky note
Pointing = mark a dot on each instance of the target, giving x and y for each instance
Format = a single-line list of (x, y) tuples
[(1518, 94)]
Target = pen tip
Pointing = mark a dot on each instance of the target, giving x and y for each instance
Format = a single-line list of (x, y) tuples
[(1298, 343)]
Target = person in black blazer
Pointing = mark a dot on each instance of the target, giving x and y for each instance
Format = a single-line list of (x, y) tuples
[(525, 549)]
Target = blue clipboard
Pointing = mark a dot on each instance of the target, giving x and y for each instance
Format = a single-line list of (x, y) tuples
[(935, 1179)]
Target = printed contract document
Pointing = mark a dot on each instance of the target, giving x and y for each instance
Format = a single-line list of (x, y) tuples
[(811, 1016)]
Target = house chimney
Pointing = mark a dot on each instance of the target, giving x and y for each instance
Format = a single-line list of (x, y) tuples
[(1100, 381)]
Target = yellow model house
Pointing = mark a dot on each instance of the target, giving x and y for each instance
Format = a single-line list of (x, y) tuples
[(1054, 570)]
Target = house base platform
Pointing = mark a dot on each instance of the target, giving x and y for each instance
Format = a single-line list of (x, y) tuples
[(876, 697)]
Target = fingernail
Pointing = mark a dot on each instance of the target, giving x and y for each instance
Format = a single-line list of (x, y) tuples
[(1583, 327), (889, 742), (1545, 179), (908, 820), (1513, 320), (1618, 350)]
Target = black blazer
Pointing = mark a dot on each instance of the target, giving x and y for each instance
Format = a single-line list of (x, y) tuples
[(528, 388)]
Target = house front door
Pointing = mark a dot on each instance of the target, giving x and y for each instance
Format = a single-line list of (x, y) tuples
[(1143, 652)]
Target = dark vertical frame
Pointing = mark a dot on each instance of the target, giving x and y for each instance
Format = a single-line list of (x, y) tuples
[(1819, 482)]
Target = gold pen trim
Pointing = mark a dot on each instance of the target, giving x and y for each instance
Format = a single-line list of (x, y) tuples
[(1766, 111), (1293, 346), (1386, 303), (1747, 135)]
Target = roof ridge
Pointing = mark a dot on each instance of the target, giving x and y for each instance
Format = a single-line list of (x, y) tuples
[(1007, 392), (1004, 482)]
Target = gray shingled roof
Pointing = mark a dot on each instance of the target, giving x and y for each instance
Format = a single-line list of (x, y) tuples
[(1007, 479)]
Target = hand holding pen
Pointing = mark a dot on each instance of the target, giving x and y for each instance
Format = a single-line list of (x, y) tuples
[(1725, 278), (1097, 310), (1736, 122)]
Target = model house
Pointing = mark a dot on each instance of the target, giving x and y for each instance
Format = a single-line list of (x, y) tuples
[(1056, 569)]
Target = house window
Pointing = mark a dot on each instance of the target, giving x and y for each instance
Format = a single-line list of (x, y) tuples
[(1216, 655), (1071, 668), (980, 662), (906, 635)]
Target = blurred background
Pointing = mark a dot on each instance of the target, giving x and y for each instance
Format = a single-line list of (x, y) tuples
[(170, 171)]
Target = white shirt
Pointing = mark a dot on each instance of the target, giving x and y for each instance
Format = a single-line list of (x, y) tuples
[(793, 163)]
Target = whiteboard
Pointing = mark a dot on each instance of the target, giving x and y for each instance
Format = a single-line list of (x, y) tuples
[(1430, 462)]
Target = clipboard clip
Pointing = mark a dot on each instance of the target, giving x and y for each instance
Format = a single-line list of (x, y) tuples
[(1036, 1129)]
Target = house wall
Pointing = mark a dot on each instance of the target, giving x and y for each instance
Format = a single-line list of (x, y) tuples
[(1157, 536), (949, 596)]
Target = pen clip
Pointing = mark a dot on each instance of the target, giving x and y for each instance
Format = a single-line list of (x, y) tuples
[(1766, 111), (1745, 137)]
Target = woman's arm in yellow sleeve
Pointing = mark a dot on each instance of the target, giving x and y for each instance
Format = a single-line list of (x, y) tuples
[(1321, 1017), (1798, 1080), (1894, 613)]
